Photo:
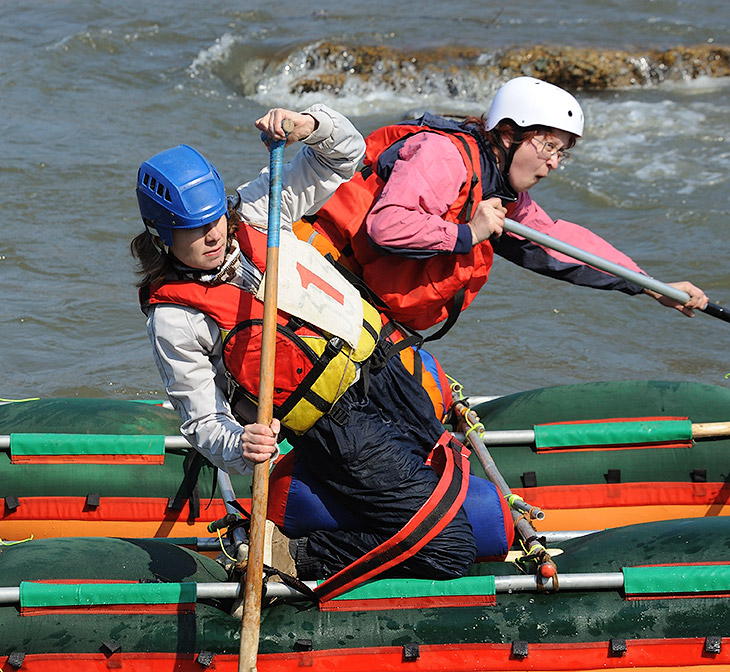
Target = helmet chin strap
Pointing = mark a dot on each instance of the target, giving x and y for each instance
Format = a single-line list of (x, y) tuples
[(227, 270), (217, 276), (509, 154), (157, 241), (224, 273)]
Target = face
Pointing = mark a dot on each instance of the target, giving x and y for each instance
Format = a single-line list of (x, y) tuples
[(529, 164), (203, 248)]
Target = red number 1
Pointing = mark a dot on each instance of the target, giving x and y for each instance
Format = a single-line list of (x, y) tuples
[(309, 278)]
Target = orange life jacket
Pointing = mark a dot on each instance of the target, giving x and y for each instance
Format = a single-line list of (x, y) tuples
[(423, 366), (418, 292), (313, 368)]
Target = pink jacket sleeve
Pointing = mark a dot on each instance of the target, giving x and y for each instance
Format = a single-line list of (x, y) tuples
[(408, 216), (555, 264), (530, 214)]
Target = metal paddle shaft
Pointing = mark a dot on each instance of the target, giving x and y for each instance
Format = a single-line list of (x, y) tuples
[(251, 620), (523, 526), (610, 267), (522, 437), (228, 495), (583, 581)]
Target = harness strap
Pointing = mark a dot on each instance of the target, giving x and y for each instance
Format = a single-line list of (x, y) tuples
[(304, 389), (356, 281), (454, 313), (188, 490), (436, 513)]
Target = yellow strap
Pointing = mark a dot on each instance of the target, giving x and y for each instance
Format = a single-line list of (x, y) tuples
[(14, 543), (223, 548), (512, 498)]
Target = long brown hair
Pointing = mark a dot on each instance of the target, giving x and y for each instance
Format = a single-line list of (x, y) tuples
[(154, 264)]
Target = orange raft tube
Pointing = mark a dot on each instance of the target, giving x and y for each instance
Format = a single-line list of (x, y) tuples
[(77, 467)]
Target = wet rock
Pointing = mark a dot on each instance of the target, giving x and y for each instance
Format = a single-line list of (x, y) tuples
[(330, 66)]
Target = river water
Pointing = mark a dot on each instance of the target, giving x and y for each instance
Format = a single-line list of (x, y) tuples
[(89, 89)]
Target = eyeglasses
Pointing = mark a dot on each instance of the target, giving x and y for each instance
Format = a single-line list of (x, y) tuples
[(547, 150)]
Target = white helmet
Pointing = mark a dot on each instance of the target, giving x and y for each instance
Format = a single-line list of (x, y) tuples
[(531, 102)]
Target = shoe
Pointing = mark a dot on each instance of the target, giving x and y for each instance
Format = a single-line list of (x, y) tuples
[(278, 544), (308, 568)]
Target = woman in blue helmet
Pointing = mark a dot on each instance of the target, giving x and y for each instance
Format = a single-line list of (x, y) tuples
[(362, 423)]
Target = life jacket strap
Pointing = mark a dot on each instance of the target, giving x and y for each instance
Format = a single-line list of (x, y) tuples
[(454, 313), (451, 459), (356, 281), (304, 389)]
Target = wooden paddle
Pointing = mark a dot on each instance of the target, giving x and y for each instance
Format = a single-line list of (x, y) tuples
[(251, 620), (645, 281)]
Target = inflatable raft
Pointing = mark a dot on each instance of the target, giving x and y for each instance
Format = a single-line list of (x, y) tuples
[(638, 458), (652, 596), (102, 467)]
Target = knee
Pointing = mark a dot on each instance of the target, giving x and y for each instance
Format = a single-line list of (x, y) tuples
[(453, 551)]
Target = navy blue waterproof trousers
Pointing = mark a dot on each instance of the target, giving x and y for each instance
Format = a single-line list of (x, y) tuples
[(373, 462)]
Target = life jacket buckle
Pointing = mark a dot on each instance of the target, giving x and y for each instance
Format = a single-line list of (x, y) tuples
[(338, 415), (231, 386), (380, 356)]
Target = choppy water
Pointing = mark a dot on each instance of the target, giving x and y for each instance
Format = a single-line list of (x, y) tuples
[(90, 89)]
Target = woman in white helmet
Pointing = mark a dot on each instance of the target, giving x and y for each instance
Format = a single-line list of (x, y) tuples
[(421, 222)]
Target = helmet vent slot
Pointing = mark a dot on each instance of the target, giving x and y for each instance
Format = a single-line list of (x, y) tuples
[(156, 187)]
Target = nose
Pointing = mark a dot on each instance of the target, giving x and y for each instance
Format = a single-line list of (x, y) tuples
[(213, 234), (553, 162)]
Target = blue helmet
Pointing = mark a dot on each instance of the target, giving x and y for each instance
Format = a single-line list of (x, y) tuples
[(179, 189)]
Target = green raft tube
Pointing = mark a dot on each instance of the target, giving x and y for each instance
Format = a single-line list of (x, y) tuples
[(102, 467), (650, 596)]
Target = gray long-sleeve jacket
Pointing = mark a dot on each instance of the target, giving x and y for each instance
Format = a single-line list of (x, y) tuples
[(187, 343)]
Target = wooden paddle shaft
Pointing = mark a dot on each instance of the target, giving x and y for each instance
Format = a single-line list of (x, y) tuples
[(251, 619), (705, 430)]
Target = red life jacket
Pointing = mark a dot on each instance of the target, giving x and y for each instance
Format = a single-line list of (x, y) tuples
[(313, 368), (418, 292)]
